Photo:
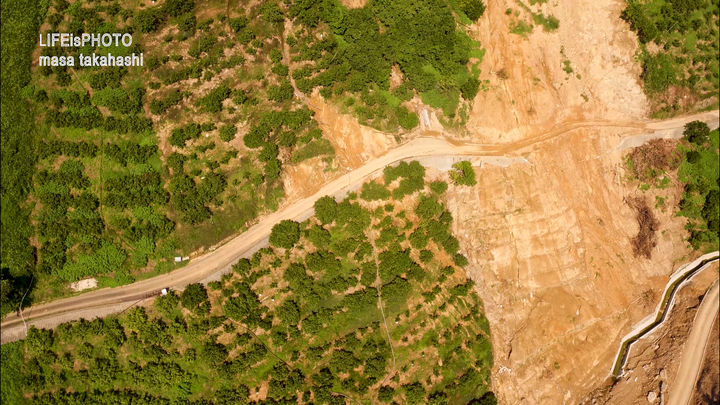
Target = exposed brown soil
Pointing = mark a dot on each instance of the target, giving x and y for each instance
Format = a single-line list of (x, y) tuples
[(528, 90), (653, 362), (708, 386), (550, 247), (353, 3), (646, 238)]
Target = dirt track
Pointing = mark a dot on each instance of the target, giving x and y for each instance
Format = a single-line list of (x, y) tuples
[(226, 255), (681, 391)]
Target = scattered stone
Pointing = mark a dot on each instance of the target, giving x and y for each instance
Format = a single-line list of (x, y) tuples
[(651, 397), (663, 386), (663, 374)]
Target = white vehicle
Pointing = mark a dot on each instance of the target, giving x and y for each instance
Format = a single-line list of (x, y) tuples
[(165, 291)]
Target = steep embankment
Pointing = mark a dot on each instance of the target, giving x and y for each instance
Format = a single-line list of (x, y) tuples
[(550, 247)]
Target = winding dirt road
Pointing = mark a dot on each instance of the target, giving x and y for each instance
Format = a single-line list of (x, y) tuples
[(109, 300), (694, 351)]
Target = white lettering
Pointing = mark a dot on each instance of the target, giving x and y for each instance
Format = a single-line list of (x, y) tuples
[(85, 38), (70, 61), (64, 40), (129, 39), (55, 37), (95, 41), (41, 44), (44, 61), (109, 40)]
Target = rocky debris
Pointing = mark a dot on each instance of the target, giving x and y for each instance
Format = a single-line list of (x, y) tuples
[(651, 396)]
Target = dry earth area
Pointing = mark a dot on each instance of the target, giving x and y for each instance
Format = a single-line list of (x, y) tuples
[(551, 253), (538, 94), (654, 361)]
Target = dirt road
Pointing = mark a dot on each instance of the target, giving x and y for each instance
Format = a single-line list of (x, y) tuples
[(660, 314), (694, 352), (223, 257)]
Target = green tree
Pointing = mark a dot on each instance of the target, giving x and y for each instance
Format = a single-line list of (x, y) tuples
[(407, 119), (176, 8), (227, 132), (487, 399), (473, 9), (288, 312), (285, 234), (165, 304), (326, 209), (38, 340), (414, 393), (148, 20), (242, 267), (464, 174), (193, 295), (470, 88), (697, 132), (438, 187), (280, 93), (373, 190)]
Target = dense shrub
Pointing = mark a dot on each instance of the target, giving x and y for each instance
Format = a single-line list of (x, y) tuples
[(285, 234), (227, 132)]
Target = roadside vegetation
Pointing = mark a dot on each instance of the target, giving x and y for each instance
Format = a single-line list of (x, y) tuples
[(693, 162), (298, 322), (20, 23), (112, 172), (679, 53)]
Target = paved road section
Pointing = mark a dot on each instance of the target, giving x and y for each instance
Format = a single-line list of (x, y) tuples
[(694, 350), (220, 260), (658, 317)]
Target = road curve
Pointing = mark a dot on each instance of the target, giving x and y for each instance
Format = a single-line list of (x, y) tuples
[(12, 328), (694, 350), (657, 318)]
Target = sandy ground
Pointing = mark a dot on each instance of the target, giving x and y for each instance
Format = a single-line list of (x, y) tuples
[(84, 284), (654, 362)]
